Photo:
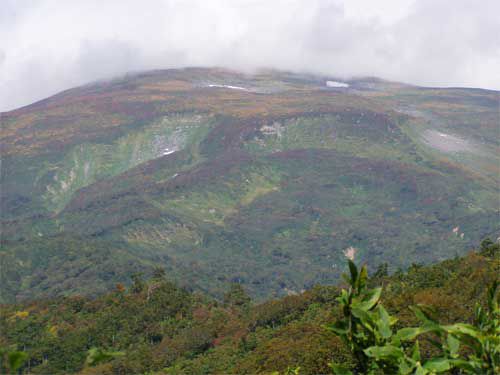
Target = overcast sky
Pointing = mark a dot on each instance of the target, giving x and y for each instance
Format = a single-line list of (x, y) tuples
[(50, 45)]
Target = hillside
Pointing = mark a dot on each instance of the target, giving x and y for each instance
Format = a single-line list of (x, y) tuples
[(157, 327), (268, 180)]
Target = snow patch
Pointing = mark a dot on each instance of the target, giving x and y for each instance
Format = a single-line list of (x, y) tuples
[(228, 87), (336, 84), (274, 129), (449, 143), (167, 151)]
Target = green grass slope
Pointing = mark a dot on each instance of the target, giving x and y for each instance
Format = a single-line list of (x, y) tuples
[(271, 186)]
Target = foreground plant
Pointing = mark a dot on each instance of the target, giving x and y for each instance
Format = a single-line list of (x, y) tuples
[(367, 329), (482, 338)]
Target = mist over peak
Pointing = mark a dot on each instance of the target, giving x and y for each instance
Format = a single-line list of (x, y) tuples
[(49, 46)]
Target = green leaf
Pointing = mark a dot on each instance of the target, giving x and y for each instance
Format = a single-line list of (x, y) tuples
[(415, 355), (480, 316), (364, 316), (339, 328), (492, 302), (405, 368), (453, 344), (421, 315), (420, 370), (424, 316), (343, 298), (354, 273), (410, 333), (362, 278), (464, 329), (293, 370), (369, 299), (437, 365), (384, 352), (464, 365), (384, 323)]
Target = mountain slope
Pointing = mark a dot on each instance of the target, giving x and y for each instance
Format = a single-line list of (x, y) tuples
[(162, 329), (269, 180)]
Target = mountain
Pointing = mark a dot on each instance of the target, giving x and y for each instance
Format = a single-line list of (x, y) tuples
[(270, 180), (158, 328)]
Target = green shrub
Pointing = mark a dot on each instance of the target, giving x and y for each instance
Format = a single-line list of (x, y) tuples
[(367, 329)]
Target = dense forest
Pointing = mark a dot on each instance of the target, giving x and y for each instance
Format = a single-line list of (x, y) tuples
[(156, 327)]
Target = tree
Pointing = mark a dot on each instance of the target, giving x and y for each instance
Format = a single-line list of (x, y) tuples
[(382, 271), (490, 249), (236, 296), (137, 283), (158, 273)]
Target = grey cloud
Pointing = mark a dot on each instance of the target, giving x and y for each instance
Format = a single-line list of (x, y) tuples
[(49, 45), (99, 59)]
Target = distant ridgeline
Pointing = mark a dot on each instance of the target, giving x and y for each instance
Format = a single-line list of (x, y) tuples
[(156, 327), (269, 180)]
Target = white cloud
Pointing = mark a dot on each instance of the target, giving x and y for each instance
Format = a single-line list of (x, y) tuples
[(50, 45)]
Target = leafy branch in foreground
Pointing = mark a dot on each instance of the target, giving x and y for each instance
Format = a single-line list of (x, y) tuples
[(367, 329)]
